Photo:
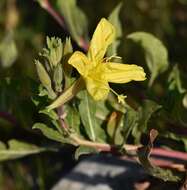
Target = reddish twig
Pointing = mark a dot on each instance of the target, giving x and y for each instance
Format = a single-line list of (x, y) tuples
[(104, 147), (46, 5), (169, 153)]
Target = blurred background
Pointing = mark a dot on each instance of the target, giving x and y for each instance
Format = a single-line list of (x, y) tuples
[(24, 26)]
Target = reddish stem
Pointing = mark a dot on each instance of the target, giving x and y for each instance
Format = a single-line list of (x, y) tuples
[(45, 4), (169, 153)]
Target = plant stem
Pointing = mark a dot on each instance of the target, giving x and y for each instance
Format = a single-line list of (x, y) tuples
[(101, 146), (46, 5)]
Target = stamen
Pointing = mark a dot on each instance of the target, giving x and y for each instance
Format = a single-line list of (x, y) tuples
[(121, 97), (107, 59), (111, 57)]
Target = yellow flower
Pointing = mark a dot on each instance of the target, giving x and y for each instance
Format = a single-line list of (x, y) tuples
[(96, 71)]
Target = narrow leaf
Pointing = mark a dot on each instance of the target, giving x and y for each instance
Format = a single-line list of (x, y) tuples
[(82, 150), (72, 119), (130, 121), (17, 149), (50, 133), (87, 110)]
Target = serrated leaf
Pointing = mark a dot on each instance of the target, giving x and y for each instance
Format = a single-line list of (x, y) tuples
[(156, 54), (50, 133), (143, 155), (75, 19), (17, 149), (8, 51), (87, 110), (114, 20), (82, 150)]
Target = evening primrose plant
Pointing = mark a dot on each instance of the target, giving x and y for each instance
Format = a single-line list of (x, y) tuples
[(82, 108), (97, 71)]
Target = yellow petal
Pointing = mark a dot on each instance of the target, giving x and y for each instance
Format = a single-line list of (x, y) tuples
[(97, 89), (123, 73), (80, 62), (103, 36)]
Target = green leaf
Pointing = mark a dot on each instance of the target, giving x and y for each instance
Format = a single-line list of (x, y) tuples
[(17, 149), (144, 114), (102, 110), (115, 128), (143, 155), (146, 111), (114, 19), (72, 119), (51, 113), (174, 80), (130, 121), (75, 19), (87, 110), (54, 119), (8, 51), (115, 104), (50, 133), (82, 150), (156, 54)]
